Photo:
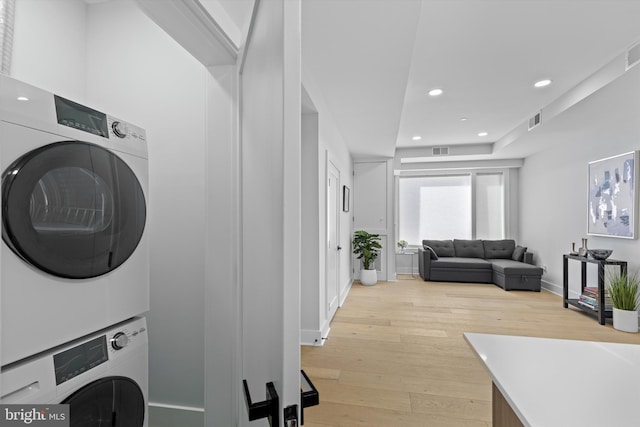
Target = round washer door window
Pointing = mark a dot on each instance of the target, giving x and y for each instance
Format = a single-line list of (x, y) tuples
[(111, 401), (72, 209)]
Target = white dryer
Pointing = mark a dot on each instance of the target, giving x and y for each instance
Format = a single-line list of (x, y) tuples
[(103, 377), (74, 189)]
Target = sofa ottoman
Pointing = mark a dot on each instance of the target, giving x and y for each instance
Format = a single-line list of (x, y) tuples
[(514, 275)]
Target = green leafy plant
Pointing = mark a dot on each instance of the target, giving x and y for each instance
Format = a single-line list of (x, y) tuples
[(366, 246), (623, 291)]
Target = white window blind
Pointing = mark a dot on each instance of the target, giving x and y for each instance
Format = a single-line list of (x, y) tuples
[(442, 207), (435, 207)]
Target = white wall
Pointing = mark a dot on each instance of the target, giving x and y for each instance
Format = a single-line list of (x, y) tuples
[(137, 71), (113, 58), (312, 289), (321, 144), (553, 182), (373, 210), (49, 46), (332, 143)]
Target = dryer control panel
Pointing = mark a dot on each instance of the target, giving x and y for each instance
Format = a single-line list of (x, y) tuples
[(79, 117)]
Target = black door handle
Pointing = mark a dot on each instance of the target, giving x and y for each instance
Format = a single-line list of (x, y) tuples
[(339, 248), (268, 408)]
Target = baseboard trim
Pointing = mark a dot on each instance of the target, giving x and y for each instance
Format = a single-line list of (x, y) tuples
[(551, 287), (311, 337), (557, 289), (175, 407), (167, 415), (345, 292)]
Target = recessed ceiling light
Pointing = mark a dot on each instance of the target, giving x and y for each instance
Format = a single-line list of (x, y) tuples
[(483, 133), (464, 119), (417, 138), (435, 92), (542, 83), (22, 98)]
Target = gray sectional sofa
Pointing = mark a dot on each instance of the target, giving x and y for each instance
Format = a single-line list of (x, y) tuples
[(479, 261)]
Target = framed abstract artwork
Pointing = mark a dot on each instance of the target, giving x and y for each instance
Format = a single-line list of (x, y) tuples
[(613, 196)]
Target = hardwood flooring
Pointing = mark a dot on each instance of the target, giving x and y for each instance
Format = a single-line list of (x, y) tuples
[(396, 355)]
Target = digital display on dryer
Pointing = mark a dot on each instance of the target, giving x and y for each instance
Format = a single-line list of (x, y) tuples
[(79, 117), (79, 359)]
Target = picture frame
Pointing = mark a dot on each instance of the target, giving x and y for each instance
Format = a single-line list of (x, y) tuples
[(613, 196), (346, 195)]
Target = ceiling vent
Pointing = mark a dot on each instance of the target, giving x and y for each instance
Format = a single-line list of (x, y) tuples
[(440, 151), (633, 56), (534, 121)]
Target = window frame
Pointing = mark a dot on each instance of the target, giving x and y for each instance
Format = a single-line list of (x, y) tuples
[(473, 173)]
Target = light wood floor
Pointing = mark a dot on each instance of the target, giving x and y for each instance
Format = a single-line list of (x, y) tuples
[(396, 355)]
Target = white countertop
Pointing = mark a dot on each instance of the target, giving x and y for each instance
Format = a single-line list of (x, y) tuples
[(564, 383)]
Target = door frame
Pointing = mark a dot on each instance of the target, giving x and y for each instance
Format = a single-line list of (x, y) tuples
[(332, 306)]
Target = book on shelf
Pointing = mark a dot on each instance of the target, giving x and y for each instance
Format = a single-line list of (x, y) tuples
[(593, 291), (592, 303), (587, 305)]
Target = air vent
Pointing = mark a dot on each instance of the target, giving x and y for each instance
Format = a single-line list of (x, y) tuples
[(534, 121), (440, 151), (633, 56)]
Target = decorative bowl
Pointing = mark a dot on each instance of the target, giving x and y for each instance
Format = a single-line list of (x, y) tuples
[(600, 254)]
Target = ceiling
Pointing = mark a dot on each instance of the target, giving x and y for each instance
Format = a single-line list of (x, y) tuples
[(375, 60)]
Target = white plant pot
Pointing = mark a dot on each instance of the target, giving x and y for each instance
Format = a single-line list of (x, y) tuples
[(368, 277), (625, 320)]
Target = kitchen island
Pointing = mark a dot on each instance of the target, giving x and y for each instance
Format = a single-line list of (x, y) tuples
[(543, 382)]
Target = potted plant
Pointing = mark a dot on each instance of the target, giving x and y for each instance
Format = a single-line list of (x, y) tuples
[(402, 244), (623, 291), (367, 247)]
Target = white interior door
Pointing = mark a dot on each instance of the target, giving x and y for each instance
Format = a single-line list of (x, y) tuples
[(271, 206), (333, 240)]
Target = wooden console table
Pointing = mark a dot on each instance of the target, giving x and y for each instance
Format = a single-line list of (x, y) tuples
[(602, 314)]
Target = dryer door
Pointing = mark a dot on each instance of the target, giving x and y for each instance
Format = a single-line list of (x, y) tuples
[(111, 401), (72, 209)]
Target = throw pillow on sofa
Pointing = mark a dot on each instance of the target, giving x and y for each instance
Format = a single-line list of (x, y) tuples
[(431, 251), (518, 253)]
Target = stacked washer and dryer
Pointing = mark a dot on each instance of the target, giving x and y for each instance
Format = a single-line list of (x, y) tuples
[(74, 263)]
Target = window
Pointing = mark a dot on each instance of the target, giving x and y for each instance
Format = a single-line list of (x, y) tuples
[(489, 206), (463, 206)]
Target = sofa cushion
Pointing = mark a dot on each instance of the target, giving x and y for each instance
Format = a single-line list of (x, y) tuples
[(495, 249), (432, 253), (441, 247), (518, 253), (462, 263), (468, 248)]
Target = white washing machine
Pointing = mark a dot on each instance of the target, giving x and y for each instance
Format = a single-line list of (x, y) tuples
[(74, 189), (103, 377)]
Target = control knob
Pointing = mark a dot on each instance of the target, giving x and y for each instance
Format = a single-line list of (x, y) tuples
[(119, 129), (119, 341)]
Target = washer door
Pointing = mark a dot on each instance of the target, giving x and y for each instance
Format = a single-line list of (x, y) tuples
[(72, 209), (111, 401)]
